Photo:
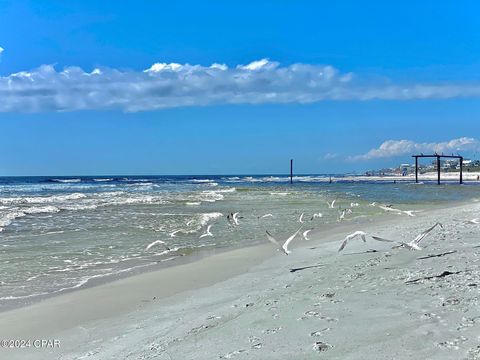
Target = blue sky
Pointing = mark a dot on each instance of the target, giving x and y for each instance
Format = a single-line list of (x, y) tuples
[(405, 70)]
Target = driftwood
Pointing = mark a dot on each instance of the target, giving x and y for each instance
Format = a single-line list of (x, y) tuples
[(443, 274), (437, 255)]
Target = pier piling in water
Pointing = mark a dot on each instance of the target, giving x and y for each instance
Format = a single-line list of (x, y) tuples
[(438, 157), (291, 171)]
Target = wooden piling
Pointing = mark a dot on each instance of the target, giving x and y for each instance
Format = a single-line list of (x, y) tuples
[(291, 171)]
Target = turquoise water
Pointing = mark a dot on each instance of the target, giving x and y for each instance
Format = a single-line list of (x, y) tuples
[(58, 233)]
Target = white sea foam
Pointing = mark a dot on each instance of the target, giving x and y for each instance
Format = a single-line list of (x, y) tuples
[(103, 180), (279, 193), (66, 180), (41, 199), (206, 217), (41, 209), (202, 181), (7, 218), (193, 203)]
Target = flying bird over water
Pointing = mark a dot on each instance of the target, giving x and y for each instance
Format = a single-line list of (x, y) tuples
[(332, 204), (389, 208), (207, 233), (174, 233), (412, 245), (283, 247), (157, 242), (473, 221), (235, 218), (301, 218), (361, 234), (305, 234), (265, 216), (319, 215)]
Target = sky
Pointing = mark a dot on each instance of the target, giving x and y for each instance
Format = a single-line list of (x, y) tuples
[(235, 87)]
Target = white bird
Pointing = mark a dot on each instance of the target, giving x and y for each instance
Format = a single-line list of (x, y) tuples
[(305, 234), (362, 234), (412, 245), (156, 242), (265, 216), (174, 233), (397, 211), (473, 221), (207, 233), (319, 215), (373, 204), (342, 215), (354, 204), (301, 218), (332, 204), (283, 247), (235, 218)]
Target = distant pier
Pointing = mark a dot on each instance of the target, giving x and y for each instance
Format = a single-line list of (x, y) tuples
[(438, 157)]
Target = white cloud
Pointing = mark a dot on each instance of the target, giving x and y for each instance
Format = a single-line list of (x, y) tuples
[(175, 85), (392, 148), (330, 156)]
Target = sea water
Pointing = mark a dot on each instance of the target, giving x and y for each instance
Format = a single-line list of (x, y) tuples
[(63, 233)]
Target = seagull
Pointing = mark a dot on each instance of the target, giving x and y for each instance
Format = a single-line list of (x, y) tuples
[(473, 221), (305, 234), (388, 208), (412, 245), (207, 233), (332, 204), (174, 233), (265, 216), (235, 218), (342, 215), (373, 204), (283, 247), (319, 215), (362, 234), (354, 204), (301, 218), (157, 242)]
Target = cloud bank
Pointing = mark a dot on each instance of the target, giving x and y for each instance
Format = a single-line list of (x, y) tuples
[(176, 85), (392, 148)]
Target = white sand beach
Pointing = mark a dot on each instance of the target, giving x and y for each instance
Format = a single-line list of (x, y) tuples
[(249, 304)]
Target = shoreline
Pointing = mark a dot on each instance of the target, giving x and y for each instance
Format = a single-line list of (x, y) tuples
[(199, 255), (231, 285)]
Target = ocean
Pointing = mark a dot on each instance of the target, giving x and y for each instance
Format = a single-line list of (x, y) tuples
[(63, 233)]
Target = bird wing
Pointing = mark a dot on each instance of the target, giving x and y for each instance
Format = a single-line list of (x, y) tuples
[(289, 240), (272, 239), (344, 243), (153, 244), (382, 239), (208, 228), (301, 217), (423, 234), (333, 202), (235, 219), (305, 233)]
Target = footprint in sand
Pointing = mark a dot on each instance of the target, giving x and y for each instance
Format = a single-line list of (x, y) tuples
[(321, 346), (272, 331), (231, 354)]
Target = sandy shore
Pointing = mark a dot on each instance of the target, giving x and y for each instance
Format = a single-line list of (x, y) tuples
[(247, 304)]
